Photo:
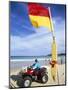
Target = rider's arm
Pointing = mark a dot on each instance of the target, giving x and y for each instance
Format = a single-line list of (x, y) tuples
[(35, 66)]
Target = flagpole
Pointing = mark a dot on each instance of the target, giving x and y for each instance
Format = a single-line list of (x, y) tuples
[(51, 25), (53, 35)]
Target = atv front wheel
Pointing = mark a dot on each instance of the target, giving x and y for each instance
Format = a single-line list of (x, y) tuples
[(44, 78), (27, 81)]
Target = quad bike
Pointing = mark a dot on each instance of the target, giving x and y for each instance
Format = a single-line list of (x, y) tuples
[(33, 74)]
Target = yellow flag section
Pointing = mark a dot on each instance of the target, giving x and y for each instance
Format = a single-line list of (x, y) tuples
[(38, 21), (39, 15), (54, 61)]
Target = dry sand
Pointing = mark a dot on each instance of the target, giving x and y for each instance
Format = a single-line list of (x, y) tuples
[(60, 80)]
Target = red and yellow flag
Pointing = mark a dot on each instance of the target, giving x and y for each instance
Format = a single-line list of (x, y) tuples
[(39, 15)]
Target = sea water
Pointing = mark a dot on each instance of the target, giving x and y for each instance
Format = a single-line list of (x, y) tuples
[(17, 62)]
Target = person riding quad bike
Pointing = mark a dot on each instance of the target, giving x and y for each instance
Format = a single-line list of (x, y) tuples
[(34, 73), (36, 65)]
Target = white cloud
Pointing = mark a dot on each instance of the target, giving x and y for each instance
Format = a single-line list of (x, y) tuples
[(39, 43), (33, 43)]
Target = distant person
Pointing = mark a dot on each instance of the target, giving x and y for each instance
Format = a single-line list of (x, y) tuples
[(36, 65)]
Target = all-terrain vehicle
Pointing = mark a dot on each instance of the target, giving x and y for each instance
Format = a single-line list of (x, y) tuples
[(29, 75)]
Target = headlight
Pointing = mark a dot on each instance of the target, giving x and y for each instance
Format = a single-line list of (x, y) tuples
[(24, 69)]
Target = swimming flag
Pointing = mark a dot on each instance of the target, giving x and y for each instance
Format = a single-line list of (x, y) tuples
[(39, 15)]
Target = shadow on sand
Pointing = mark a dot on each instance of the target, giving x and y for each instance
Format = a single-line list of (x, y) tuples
[(18, 80)]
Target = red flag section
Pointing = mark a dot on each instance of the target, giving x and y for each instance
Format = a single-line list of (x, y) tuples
[(37, 10)]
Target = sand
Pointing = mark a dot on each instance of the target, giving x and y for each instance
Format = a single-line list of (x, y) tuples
[(14, 78)]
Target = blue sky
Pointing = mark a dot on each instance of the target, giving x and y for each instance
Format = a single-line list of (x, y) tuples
[(26, 40)]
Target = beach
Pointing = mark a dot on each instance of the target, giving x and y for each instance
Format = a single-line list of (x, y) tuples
[(14, 78), (16, 65)]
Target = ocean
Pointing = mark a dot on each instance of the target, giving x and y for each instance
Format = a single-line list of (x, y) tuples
[(17, 62)]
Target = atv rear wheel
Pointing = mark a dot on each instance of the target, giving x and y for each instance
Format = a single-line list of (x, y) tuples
[(27, 81), (44, 78)]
